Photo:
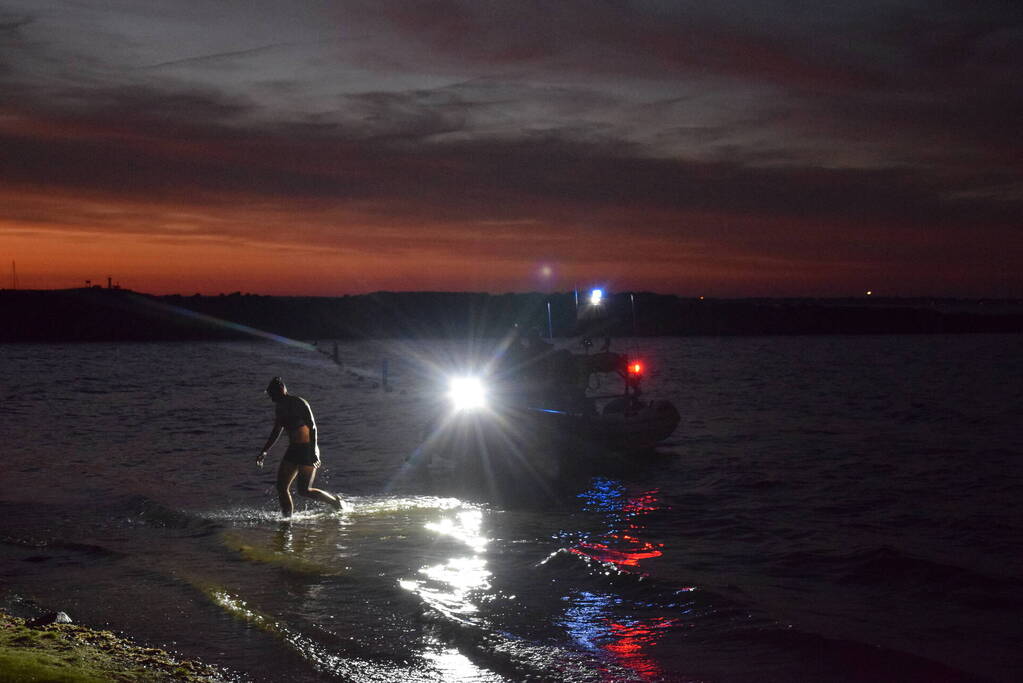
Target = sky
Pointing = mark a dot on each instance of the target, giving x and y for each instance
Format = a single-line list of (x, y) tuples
[(729, 148)]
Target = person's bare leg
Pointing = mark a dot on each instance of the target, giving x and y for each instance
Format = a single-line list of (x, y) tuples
[(306, 474), (285, 475)]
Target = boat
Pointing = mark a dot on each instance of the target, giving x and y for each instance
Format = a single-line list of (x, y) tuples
[(537, 401), (586, 409)]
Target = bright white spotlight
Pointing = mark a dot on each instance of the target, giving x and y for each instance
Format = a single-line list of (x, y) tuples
[(596, 296), (467, 393)]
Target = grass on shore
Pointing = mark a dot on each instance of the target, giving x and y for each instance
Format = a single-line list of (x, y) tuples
[(68, 653)]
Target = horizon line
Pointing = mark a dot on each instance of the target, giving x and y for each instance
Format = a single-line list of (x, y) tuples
[(781, 297)]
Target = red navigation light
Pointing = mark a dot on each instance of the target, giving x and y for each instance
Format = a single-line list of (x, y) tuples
[(635, 368)]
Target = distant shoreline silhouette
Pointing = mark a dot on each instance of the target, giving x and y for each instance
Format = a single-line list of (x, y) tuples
[(95, 314)]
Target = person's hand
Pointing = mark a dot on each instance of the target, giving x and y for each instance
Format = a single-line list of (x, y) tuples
[(259, 460)]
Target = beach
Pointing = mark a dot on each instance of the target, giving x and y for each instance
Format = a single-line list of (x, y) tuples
[(69, 652)]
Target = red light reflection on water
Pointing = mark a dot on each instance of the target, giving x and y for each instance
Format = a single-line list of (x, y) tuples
[(630, 641), (643, 503), (625, 548), (622, 558), (593, 620)]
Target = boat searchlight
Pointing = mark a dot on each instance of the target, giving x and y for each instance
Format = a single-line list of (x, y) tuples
[(467, 393), (596, 297)]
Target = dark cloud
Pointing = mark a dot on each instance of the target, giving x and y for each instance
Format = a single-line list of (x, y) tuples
[(141, 143), (11, 23), (768, 133), (629, 38)]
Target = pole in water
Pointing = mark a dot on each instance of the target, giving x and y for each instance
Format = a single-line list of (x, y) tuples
[(550, 326), (632, 298)]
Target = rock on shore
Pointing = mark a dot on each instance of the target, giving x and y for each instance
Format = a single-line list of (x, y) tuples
[(68, 652)]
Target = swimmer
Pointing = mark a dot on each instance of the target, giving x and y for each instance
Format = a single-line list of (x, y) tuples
[(293, 414)]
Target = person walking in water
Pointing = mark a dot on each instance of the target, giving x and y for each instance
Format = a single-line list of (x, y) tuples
[(293, 414)]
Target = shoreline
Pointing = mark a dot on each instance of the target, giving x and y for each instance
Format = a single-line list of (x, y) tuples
[(121, 315), (80, 654)]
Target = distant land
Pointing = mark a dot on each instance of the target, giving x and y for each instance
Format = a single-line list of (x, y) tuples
[(103, 314)]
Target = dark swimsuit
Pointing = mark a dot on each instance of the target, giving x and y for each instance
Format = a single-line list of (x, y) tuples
[(293, 412), (302, 454)]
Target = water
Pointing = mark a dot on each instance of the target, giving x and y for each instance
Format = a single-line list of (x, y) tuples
[(830, 509)]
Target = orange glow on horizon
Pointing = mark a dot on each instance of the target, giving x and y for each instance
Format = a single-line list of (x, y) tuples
[(155, 266), (212, 245)]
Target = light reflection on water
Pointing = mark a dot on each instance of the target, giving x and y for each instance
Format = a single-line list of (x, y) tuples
[(863, 433), (450, 585), (465, 527), (452, 665), (441, 663), (633, 640), (621, 544), (453, 579), (325, 548), (593, 620)]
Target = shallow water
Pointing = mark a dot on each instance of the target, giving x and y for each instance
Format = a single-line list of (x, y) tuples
[(830, 508)]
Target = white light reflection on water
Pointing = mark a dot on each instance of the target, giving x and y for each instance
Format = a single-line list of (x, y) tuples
[(318, 656), (465, 528), (449, 585), (452, 665), (452, 582), (445, 664), (445, 588)]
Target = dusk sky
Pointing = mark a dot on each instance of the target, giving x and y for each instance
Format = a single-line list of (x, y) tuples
[(728, 148)]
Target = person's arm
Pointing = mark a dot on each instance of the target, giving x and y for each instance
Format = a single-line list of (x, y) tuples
[(275, 434), (312, 428)]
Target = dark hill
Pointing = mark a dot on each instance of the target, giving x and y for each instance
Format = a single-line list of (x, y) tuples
[(120, 315)]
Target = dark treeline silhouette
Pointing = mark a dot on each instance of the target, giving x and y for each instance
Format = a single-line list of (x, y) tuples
[(120, 315)]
